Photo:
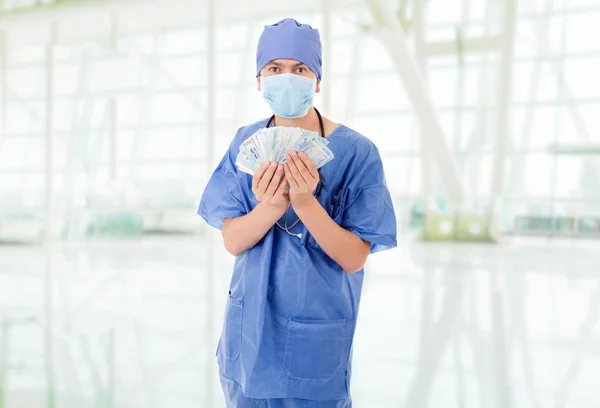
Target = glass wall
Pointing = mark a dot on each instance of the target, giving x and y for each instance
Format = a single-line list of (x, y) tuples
[(123, 97)]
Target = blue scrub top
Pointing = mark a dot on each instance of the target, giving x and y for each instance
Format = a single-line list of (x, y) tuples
[(292, 310)]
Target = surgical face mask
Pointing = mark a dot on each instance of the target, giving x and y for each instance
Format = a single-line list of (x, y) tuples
[(289, 95)]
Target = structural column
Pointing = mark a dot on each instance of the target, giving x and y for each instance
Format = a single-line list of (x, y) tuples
[(112, 106), (48, 135), (426, 158), (211, 60), (3, 85), (391, 34), (504, 104)]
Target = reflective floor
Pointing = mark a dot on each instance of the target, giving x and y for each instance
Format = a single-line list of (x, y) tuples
[(134, 324)]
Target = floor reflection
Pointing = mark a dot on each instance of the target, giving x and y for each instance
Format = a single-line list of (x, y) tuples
[(134, 324)]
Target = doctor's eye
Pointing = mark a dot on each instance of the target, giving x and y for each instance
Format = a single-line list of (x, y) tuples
[(301, 70), (274, 69)]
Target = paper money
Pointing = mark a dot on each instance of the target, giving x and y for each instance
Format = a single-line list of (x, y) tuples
[(274, 143)]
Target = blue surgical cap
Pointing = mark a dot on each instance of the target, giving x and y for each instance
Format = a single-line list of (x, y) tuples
[(290, 39)]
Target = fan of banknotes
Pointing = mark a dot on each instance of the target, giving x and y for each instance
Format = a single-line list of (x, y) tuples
[(274, 143)]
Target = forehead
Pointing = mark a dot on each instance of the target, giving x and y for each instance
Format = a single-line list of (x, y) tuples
[(286, 62)]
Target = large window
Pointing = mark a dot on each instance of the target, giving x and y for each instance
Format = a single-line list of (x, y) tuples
[(129, 103)]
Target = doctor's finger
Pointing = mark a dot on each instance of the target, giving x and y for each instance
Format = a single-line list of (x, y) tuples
[(290, 176), (275, 181), (263, 185), (259, 175), (302, 168), (293, 167), (312, 169), (283, 185)]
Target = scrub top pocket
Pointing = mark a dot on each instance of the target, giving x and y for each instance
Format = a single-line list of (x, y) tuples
[(314, 349)]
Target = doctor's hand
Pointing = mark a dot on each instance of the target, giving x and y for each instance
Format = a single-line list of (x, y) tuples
[(302, 176), (269, 186)]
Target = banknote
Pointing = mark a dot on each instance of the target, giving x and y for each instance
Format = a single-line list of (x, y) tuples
[(274, 143)]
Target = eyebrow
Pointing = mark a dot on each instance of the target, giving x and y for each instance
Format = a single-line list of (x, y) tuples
[(276, 64)]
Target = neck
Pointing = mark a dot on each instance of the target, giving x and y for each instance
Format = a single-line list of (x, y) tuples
[(308, 122)]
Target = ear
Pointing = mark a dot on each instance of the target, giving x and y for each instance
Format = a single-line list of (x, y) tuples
[(258, 83), (318, 88)]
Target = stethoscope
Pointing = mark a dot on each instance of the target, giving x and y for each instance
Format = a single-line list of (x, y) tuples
[(287, 228)]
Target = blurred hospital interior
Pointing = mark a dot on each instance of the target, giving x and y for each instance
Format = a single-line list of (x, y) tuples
[(114, 113)]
